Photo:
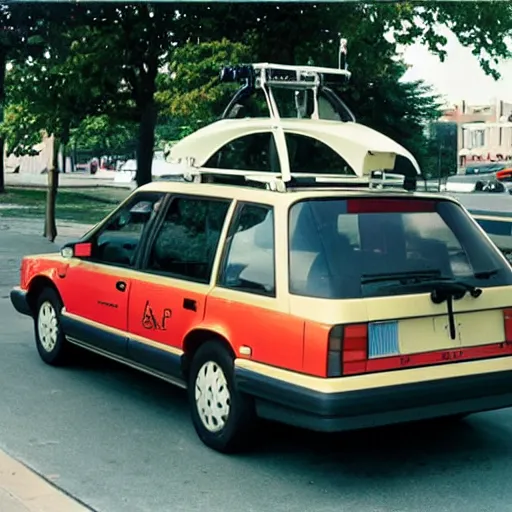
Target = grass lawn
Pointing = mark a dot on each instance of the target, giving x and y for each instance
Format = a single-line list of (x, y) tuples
[(86, 206)]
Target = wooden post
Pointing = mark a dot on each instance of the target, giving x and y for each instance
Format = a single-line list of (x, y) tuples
[(50, 226)]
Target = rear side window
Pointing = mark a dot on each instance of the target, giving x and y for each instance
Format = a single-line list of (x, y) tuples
[(365, 247), (249, 263)]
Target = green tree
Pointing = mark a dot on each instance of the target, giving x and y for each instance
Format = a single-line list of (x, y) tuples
[(191, 92), (129, 43), (65, 103), (376, 93), (103, 135), (314, 29), (21, 29), (401, 110), (125, 46)]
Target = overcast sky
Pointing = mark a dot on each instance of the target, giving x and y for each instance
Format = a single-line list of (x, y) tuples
[(459, 76)]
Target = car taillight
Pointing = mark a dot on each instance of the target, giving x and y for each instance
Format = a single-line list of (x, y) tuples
[(355, 348), (347, 350), (507, 316)]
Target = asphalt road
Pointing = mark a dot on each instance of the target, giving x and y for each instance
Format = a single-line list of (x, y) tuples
[(122, 442)]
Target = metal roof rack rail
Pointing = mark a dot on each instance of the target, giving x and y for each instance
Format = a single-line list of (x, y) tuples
[(276, 183), (282, 75)]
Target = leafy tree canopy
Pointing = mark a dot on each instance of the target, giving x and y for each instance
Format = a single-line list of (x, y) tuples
[(106, 59), (102, 135), (191, 90)]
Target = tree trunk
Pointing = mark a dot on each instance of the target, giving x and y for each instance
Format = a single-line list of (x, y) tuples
[(146, 141), (3, 63), (50, 226), (64, 146), (75, 157)]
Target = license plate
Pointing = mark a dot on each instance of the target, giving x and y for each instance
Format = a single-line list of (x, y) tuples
[(432, 334)]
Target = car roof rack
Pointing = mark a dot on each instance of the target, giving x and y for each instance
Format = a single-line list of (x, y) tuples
[(282, 75), (274, 181), (262, 74), (268, 76)]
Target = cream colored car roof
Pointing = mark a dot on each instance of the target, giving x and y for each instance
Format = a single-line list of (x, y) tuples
[(362, 147), (243, 193)]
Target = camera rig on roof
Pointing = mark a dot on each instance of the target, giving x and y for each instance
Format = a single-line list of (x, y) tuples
[(315, 81)]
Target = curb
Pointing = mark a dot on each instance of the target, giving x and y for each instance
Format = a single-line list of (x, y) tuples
[(68, 186), (24, 490)]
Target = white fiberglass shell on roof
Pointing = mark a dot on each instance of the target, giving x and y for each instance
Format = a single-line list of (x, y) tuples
[(364, 149)]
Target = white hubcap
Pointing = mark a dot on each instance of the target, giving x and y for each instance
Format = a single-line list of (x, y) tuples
[(212, 396), (47, 326)]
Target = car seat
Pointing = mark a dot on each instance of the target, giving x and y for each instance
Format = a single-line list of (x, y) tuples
[(335, 272)]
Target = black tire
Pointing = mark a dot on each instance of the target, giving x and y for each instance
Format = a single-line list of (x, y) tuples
[(234, 434), (55, 351)]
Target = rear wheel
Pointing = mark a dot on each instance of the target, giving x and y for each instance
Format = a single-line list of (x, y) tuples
[(51, 343), (222, 416)]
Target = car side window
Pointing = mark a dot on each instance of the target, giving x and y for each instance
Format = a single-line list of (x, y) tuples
[(187, 241), (309, 155), (249, 260), (117, 241), (254, 152)]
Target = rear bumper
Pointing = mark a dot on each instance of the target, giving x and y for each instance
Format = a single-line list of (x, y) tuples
[(377, 406), (20, 302)]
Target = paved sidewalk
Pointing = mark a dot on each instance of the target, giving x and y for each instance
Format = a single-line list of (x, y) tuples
[(22, 490), (68, 180)]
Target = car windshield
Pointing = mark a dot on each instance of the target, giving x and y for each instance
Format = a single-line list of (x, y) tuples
[(373, 247)]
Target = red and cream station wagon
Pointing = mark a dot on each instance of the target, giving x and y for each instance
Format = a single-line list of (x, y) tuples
[(323, 306), (320, 300)]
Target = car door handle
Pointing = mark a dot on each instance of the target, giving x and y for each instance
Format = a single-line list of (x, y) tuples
[(121, 286), (190, 304)]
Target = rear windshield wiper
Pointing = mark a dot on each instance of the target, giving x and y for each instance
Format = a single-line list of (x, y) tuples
[(431, 278), (403, 277), (421, 275)]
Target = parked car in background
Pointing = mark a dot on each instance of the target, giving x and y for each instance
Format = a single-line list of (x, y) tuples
[(160, 167), (486, 167)]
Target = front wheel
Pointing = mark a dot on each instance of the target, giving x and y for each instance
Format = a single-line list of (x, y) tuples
[(51, 343), (222, 416)]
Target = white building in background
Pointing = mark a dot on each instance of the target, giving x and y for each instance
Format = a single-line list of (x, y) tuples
[(484, 132), (486, 141), (32, 164), (37, 164)]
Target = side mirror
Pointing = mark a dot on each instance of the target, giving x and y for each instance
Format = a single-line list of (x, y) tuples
[(77, 250)]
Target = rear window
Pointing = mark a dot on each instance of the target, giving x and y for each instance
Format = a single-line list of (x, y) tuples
[(366, 247)]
